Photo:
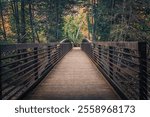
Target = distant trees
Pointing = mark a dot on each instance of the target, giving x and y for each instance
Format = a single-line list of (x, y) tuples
[(122, 19), (16, 14), (39, 21), (72, 28), (42, 21)]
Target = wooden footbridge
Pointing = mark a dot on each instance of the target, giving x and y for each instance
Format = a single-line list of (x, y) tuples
[(74, 77), (59, 71)]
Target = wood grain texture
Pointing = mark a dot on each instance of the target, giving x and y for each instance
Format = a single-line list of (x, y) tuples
[(75, 77)]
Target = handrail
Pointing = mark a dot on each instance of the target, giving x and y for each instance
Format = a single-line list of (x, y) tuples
[(124, 64), (22, 66), (65, 41)]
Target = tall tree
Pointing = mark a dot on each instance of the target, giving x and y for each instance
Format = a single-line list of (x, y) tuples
[(15, 10), (23, 22), (3, 22), (31, 20)]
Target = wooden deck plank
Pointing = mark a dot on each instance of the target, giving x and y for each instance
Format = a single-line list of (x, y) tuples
[(74, 77)]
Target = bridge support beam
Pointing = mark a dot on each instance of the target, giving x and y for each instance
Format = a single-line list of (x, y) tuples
[(0, 81), (49, 55), (143, 70), (36, 62), (110, 62), (0, 92)]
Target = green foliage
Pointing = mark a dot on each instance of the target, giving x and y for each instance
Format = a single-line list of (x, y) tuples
[(122, 20), (102, 20), (89, 23), (72, 27), (114, 20), (43, 22)]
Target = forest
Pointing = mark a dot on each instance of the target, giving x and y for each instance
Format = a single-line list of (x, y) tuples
[(35, 35), (44, 21)]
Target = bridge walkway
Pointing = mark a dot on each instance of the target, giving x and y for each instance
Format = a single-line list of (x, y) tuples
[(74, 77)]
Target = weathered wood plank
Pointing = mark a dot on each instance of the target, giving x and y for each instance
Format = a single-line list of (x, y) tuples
[(75, 77)]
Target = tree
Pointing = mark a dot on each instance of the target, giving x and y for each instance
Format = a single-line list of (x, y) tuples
[(3, 23), (122, 20), (15, 9), (23, 22), (31, 20)]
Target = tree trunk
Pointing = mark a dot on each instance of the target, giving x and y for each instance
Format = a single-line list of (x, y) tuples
[(93, 20), (14, 5), (57, 20), (38, 39), (23, 23), (3, 22), (31, 21), (48, 20)]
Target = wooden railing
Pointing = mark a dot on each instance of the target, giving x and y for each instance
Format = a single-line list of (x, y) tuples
[(124, 64), (23, 66)]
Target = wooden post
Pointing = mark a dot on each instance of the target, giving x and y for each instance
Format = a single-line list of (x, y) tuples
[(97, 56), (0, 88), (143, 70), (0, 78), (99, 52), (49, 54), (93, 54), (110, 62), (59, 53), (36, 62), (90, 46), (60, 50)]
